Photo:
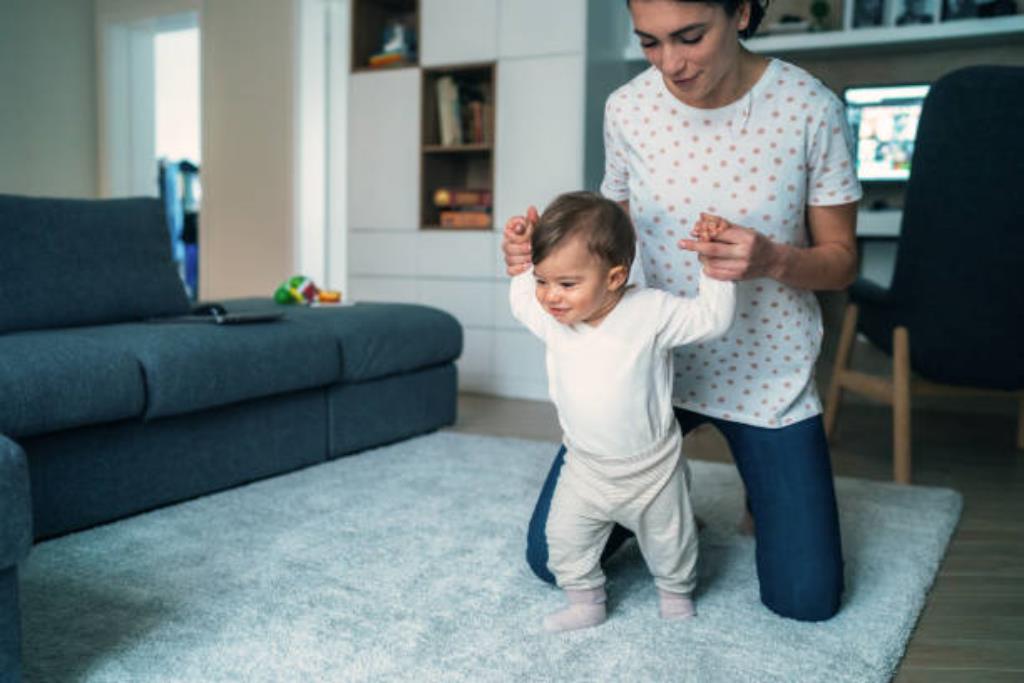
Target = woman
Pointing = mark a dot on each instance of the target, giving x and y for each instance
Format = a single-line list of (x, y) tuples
[(713, 128)]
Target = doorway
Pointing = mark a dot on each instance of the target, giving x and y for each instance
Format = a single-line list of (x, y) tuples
[(150, 137)]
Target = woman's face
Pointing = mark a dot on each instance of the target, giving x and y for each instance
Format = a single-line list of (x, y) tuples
[(694, 45)]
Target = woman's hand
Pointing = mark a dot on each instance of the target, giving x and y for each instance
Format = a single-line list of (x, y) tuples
[(515, 242), (828, 263), (736, 253)]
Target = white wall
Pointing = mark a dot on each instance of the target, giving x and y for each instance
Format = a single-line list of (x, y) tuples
[(48, 98), (248, 92)]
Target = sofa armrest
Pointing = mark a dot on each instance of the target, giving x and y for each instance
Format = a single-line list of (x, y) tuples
[(15, 504)]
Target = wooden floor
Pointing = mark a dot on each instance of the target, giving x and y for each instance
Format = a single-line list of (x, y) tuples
[(972, 628)]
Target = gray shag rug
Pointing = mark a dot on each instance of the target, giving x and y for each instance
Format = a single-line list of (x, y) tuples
[(406, 563)]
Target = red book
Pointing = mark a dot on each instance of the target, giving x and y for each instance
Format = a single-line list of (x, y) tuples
[(465, 219)]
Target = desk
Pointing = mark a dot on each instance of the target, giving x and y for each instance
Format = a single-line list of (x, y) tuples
[(877, 233), (878, 225)]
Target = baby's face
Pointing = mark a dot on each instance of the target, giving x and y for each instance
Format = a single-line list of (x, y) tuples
[(573, 285)]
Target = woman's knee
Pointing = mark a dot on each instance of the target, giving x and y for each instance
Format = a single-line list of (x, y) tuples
[(806, 598)]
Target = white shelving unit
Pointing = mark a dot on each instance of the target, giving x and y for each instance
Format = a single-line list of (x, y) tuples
[(957, 33), (538, 152)]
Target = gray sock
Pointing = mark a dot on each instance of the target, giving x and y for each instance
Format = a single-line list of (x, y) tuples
[(675, 605), (586, 608)]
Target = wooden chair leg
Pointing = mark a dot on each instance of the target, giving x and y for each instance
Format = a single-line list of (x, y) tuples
[(901, 405), (1020, 424), (842, 362)]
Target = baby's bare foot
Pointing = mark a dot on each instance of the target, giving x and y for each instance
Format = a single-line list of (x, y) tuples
[(586, 609), (675, 605)]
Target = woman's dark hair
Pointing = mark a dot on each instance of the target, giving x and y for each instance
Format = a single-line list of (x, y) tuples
[(757, 8), (606, 228)]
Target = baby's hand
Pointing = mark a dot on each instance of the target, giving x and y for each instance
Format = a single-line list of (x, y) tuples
[(515, 243), (709, 227)]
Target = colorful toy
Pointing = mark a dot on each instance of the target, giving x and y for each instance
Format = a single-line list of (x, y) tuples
[(302, 290)]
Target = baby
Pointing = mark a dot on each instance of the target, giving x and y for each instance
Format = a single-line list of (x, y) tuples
[(610, 376)]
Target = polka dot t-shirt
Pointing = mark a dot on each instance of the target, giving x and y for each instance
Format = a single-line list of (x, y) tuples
[(758, 163)]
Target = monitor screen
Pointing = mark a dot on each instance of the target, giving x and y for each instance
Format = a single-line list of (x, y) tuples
[(883, 120)]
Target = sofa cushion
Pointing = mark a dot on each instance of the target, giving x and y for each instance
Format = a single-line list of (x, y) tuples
[(71, 262), (55, 380), (376, 339), (191, 366)]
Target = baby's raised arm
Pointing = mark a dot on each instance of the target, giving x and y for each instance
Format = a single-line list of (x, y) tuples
[(691, 320), (522, 298)]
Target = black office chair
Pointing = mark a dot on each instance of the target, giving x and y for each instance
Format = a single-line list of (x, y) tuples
[(958, 287)]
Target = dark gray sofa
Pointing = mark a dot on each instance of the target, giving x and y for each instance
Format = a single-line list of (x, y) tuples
[(106, 413)]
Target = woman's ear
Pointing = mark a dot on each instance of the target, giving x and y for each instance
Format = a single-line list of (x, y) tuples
[(744, 16), (617, 277)]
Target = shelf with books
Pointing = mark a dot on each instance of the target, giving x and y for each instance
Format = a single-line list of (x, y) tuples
[(457, 160), (384, 34), (455, 149)]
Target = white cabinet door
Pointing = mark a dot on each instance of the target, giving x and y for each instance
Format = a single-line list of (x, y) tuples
[(383, 289), (476, 364), (519, 366), (539, 134), (458, 31), (384, 145), (470, 301), (382, 253), (532, 28), (454, 253)]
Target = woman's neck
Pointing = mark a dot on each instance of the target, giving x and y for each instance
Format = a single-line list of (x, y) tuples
[(738, 82)]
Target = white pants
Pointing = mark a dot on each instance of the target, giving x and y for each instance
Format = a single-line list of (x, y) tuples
[(647, 493)]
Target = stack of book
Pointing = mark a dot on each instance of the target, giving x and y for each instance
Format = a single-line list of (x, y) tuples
[(386, 59), (463, 111), (464, 207)]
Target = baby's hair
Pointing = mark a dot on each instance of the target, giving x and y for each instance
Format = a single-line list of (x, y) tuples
[(606, 228)]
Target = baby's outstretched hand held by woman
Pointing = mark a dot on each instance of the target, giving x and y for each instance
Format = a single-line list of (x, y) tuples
[(709, 227), (732, 252), (515, 242)]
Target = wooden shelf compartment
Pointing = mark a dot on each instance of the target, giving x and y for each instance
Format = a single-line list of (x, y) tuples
[(460, 165), (369, 19), (466, 170), (458, 149)]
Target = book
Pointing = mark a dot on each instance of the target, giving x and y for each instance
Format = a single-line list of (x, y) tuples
[(475, 121), (465, 219), (462, 197), (448, 117), (383, 59)]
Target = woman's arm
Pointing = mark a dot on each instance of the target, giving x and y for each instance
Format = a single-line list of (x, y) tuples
[(829, 263)]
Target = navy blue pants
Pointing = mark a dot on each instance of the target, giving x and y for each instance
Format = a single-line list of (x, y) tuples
[(788, 477)]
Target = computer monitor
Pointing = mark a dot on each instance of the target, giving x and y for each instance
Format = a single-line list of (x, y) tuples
[(884, 124)]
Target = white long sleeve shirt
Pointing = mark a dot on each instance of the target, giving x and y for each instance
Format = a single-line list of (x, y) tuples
[(612, 384)]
